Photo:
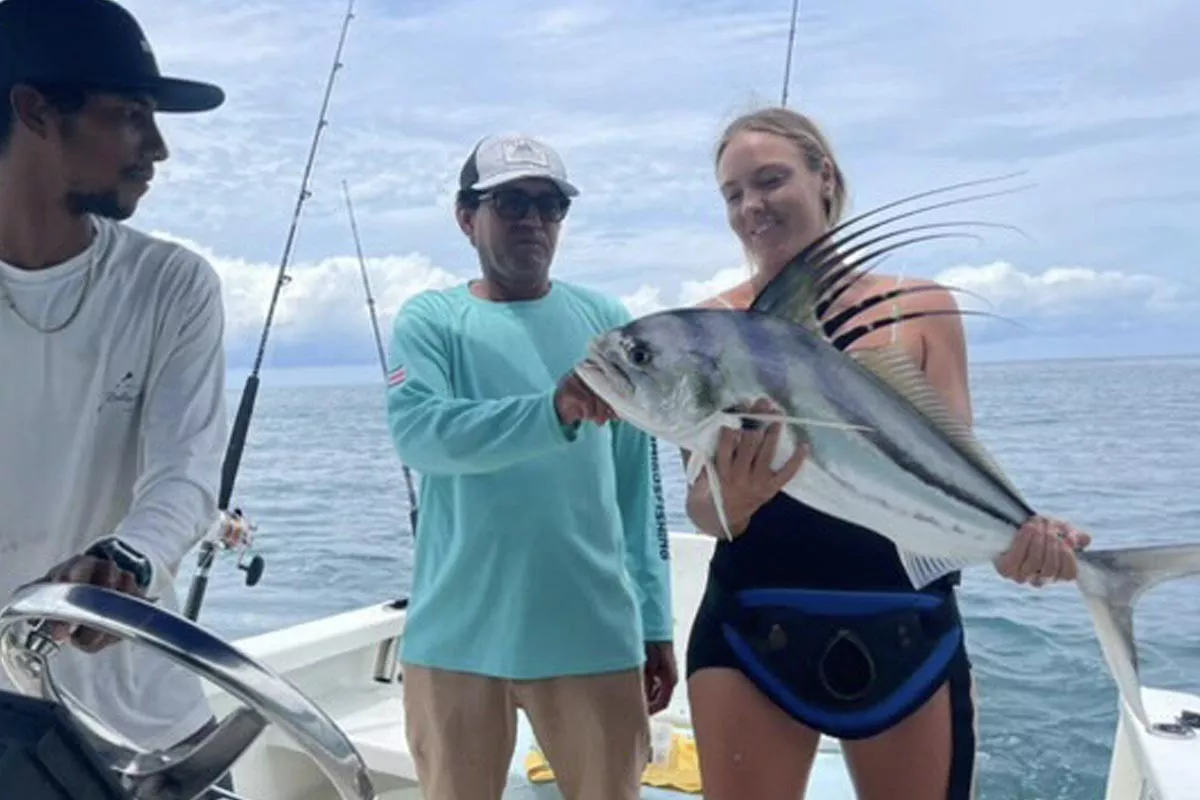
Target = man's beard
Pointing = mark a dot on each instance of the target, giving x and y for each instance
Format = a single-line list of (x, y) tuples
[(100, 204)]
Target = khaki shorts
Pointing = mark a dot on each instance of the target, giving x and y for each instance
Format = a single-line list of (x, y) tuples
[(461, 728)]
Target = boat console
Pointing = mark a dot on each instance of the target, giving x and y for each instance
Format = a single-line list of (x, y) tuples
[(44, 756)]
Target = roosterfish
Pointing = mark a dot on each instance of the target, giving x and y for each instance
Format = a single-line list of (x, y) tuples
[(884, 452)]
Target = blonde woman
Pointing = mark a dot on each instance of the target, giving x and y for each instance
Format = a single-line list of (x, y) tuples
[(844, 646)]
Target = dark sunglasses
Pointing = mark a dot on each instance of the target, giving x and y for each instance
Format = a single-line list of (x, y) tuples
[(512, 205)]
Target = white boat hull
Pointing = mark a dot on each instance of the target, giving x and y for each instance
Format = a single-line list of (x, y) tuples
[(346, 664)]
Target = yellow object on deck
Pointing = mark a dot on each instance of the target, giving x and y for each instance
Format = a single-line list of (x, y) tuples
[(680, 771)]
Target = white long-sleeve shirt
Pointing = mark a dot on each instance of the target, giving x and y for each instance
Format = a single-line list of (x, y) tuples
[(113, 425)]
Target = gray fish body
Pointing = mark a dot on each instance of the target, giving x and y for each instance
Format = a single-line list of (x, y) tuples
[(898, 476), (886, 459)]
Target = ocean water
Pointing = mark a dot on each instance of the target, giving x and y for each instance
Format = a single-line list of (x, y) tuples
[(1110, 445)]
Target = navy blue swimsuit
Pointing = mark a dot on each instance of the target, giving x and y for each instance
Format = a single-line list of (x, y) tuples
[(820, 616)]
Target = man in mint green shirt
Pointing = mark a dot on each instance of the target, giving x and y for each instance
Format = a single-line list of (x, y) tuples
[(542, 575)]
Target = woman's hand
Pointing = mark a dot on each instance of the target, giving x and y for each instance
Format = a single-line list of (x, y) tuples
[(1043, 552), (742, 469)]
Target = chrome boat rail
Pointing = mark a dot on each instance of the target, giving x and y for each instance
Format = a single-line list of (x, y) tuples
[(182, 773)]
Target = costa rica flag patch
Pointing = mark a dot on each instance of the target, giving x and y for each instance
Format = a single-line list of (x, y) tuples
[(397, 376)]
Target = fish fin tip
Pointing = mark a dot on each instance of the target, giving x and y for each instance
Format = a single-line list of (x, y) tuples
[(835, 324), (843, 340)]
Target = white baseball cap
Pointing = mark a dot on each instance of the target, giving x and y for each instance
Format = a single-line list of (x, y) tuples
[(501, 159)]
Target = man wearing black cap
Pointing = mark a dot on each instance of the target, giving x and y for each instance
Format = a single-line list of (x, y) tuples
[(112, 423)]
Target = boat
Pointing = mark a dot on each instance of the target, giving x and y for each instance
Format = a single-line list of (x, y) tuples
[(314, 711)]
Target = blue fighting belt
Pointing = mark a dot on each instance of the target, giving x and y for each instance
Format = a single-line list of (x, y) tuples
[(848, 664)]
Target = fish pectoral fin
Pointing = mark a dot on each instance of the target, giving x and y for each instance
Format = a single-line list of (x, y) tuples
[(701, 460), (895, 367), (703, 438), (804, 423), (923, 570), (714, 491)]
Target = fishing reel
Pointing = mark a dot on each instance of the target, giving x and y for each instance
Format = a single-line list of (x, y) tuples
[(235, 532), (231, 531), (55, 748)]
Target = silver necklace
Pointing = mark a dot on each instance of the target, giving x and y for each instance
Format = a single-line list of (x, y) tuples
[(87, 284)]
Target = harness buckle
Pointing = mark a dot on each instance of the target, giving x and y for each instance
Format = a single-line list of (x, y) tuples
[(846, 669)]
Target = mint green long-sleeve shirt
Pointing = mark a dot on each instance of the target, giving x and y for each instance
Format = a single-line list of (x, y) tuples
[(540, 550)]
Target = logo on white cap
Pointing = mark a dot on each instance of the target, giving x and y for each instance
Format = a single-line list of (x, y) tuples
[(524, 151)]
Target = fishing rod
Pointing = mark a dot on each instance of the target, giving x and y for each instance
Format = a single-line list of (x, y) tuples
[(231, 530), (787, 63), (362, 267)]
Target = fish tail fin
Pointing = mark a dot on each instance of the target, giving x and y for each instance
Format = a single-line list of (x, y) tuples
[(1111, 582)]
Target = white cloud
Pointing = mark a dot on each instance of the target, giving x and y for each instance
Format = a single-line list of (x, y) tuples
[(635, 94), (323, 306), (693, 292), (1066, 291), (325, 297), (648, 298)]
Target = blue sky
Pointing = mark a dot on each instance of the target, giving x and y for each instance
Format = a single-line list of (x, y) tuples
[(1099, 104)]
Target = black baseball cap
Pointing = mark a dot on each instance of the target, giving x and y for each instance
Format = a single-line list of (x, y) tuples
[(91, 43)]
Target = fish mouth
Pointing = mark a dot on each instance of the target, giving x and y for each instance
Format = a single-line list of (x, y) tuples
[(603, 376)]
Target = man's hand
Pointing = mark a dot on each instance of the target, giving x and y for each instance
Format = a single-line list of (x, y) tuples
[(97, 572), (661, 675), (575, 402)]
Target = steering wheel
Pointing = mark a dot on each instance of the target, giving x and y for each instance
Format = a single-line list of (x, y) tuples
[(27, 655)]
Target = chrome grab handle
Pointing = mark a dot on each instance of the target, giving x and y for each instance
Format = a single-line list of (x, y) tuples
[(27, 655)]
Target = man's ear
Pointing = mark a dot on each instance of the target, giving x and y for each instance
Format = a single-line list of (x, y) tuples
[(466, 221), (30, 109)]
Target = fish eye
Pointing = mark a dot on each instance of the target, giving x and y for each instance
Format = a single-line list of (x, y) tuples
[(639, 354)]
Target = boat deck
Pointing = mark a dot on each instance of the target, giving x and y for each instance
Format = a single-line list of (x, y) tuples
[(373, 719), (335, 661)]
